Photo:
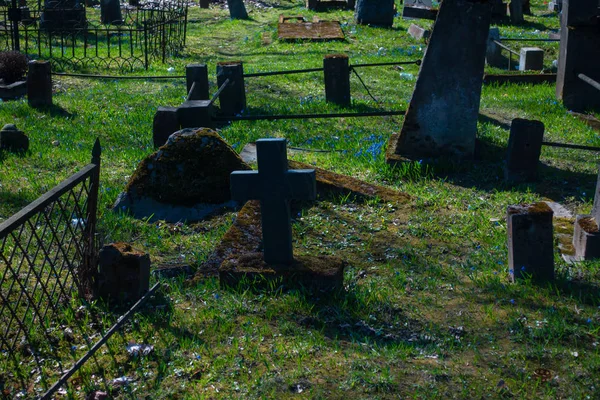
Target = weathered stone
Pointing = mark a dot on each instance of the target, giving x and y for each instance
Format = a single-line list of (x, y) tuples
[(579, 54), (164, 125), (195, 114), (524, 149), (336, 71), (530, 242), (493, 53), (516, 11), (586, 238), (531, 58), (39, 84), (596, 205), (237, 10), (12, 139), (124, 273), (419, 13), (110, 12), (443, 112), (13, 91), (186, 179), (418, 33), (232, 99), (196, 75), (375, 12), (274, 185)]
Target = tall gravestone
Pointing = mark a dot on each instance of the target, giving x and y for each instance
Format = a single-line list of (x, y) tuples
[(579, 54), (442, 116)]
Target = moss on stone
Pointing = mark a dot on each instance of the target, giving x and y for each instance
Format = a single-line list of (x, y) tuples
[(192, 167)]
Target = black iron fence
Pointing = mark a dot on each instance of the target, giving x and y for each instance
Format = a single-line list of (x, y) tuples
[(70, 35)]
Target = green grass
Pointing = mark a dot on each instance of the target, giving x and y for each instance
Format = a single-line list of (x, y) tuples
[(428, 311)]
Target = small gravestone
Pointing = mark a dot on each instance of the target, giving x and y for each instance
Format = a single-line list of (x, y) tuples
[(187, 179), (579, 54), (237, 10), (524, 149), (586, 235), (336, 71), (375, 12), (413, 7), (418, 33), (124, 273), (232, 98), (110, 12), (165, 123), (531, 59), (39, 84), (274, 185), (442, 116), (12, 139), (530, 242)]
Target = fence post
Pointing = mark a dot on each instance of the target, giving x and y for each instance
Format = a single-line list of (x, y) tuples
[(89, 268)]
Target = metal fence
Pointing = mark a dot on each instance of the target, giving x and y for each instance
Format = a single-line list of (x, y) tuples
[(48, 265), (71, 35)]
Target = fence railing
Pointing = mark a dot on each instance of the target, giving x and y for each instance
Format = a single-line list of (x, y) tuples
[(147, 33), (48, 267)]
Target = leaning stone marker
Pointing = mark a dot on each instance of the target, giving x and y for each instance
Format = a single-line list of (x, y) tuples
[(237, 9), (530, 242), (442, 115), (274, 185), (12, 139), (187, 179)]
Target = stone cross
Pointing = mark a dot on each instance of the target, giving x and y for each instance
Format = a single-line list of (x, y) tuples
[(274, 185)]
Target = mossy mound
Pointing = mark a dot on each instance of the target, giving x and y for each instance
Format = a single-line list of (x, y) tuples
[(186, 179)]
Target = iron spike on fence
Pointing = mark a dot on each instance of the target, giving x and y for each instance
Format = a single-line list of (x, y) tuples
[(96, 152)]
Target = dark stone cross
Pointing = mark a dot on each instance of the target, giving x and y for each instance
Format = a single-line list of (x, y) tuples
[(274, 185)]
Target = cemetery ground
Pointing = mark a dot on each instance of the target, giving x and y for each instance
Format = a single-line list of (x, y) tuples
[(427, 310)]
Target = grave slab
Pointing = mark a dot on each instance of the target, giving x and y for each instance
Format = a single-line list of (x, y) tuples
[(297, 28), (12, 139), (530, 242), (441, 119), (13, 91)]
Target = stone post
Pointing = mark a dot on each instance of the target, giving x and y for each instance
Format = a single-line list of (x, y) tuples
[(530, 242), (165, 123), (337, 79), (531, 59), (197, 73), (39, 84), (233, 98), (516, 11), (124, 273), (524, 149)]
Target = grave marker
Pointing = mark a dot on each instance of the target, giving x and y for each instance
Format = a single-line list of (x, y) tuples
[(274, 185), (586, 235), (524, 149), (39, 84), (375, 12), (442, 116)]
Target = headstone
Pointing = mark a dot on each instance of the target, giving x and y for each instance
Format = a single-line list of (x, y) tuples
[(274, 185), (418, 33), (60, 15), (195, 114), (237, 10), (187, 179), (443, 112), (524, 149), (39, 84), (493, 52), (412, 7), (418, 3), (516, 11), (204, 3), (375, 12), (579, 54), (124, 273), (110, 12), (531, 59), (530, 242), (196, 75), (419, 13), (586, 235), (336, 71), (233, 98), (12, 139), (164, 125)]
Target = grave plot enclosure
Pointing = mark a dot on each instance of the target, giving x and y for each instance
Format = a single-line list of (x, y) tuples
[(69, 34)]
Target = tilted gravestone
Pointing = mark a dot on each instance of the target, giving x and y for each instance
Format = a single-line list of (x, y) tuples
[(579, 54), (274, 185), (442, 115)]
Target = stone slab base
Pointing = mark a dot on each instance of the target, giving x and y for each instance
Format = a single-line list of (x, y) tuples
[(323, 273), (13, 91)]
